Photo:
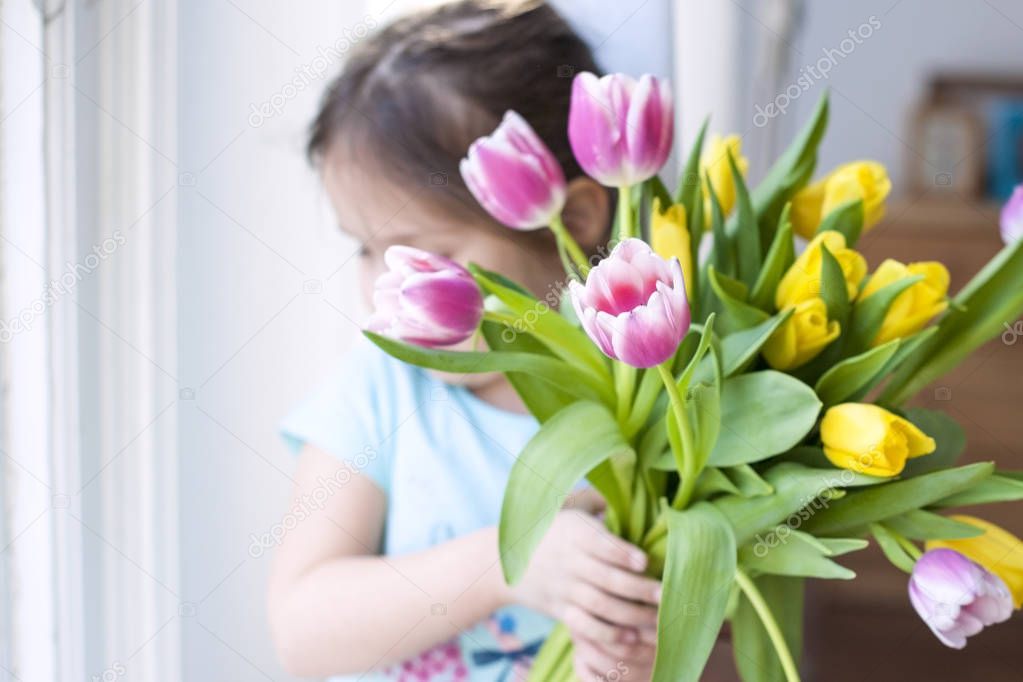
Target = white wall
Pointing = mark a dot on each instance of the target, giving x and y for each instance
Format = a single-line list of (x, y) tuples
[(875, 88), (262, 298)]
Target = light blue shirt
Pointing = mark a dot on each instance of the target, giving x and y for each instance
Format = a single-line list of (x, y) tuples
[(442, 457)]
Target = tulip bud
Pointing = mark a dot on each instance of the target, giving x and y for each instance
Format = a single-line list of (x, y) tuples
[(670, 237), (620, 129), (803, 279), (916, 306), (997, 550), (714, 164), (956, 597), (866, 180), (633, 305), (802, 336), (514, 176), (425, 299), (1012, 216), (871, 440)]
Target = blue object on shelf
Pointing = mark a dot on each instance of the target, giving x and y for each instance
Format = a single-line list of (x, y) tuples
[(1005, 151)]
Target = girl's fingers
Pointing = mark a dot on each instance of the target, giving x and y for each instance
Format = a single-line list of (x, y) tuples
[(612, 549), (586, 500), (584, 671), (595, 661), (589, 626), (620, 652), (614, 609), (618, 582)]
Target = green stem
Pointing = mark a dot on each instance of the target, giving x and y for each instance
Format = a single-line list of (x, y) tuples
[(770, 624), (565, 239), (646, 397), (626, 224), (625, 384), (684, 459)]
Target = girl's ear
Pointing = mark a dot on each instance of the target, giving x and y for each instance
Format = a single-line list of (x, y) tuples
[(587, 212)]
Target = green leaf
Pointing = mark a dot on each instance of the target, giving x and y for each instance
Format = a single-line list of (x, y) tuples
[(711, 482), (762, 414), (755, 657), (995, 488), (868, 313), (846, 218), (739, 349), (949, 437), (850, 375), (893, 499), (790, 172), (748, 481), (551, 370), (833, 288), (918, 524), (688, 192), (566, 448), (742, 229), (978, 313), (891, 548), (907, 347), (778, 260), (722, 253), (736, 313), (698, 574), (542, 398), (784, 551), (542, 321), (799, 492)]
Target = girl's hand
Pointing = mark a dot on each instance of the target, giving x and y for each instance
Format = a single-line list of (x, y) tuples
[(592, 581)]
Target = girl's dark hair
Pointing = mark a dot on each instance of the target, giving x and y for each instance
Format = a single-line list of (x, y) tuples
[(412, 97)]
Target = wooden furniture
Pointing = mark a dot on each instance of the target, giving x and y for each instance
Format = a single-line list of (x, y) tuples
[(867, 629)]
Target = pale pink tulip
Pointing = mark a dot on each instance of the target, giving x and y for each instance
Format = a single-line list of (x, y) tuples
[(1012, 217), (425, 299), (620, 129), (956, 597), (514, 176), (633, 305)]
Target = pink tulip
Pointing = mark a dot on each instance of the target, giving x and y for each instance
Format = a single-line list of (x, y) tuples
[(515, 176), (956, 597), (425, 299), (634, 305), (1012, 216), (620, 130)]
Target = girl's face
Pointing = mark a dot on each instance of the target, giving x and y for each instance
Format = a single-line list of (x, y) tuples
[(379, 213)]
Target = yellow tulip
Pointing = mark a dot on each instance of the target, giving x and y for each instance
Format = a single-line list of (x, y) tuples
[(714, 163), (916, 306), (802, 336), (871, 440), (669, 237), (866, 180), (997, 550), (803, 279)]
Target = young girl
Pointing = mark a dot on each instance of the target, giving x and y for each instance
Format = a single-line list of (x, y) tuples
[(395, 573)]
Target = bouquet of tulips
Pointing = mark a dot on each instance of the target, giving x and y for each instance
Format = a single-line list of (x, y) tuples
[(739, 401)]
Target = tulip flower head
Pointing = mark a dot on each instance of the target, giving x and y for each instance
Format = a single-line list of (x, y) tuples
[(1012, 216), (871, 440), (996, 549), (514, 176), (802, 337), (620, 129), (425, 299), (956, 597), (714, 164), (916, 306), (864, 180), (669, 237), (802, 281), (634, 305)]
